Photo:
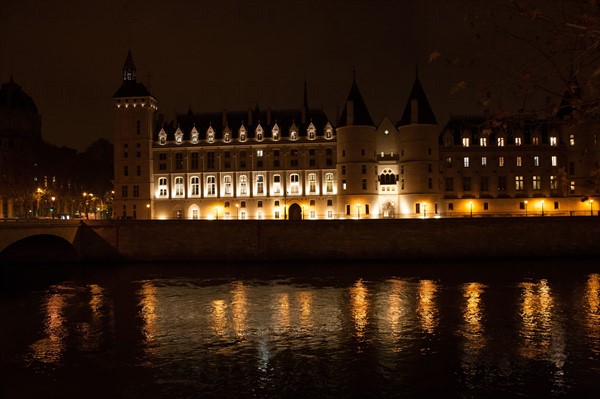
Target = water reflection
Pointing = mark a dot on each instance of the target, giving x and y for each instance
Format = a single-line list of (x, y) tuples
[(239, 304), (473, 331), (592, 314), (148, 312), (305, 298), (542, 330), (219, 317), (50, 348), (359, 307), (426, 306)]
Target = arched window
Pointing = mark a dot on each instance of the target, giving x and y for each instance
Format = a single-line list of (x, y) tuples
[(387, 177), (163, 188), (312, 183), (295, 183), (227, 185), (194, 186), (194, 135), (162, 137), (211, 186), (329, 183), (260, 184), (178, 187), (311, 131)]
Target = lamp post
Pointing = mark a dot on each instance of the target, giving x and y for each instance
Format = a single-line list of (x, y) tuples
[(591, 207), (424, 211), (542, 203), (358, 211), (237, 211), (149, 211), (471, 206), (217, 213), (525, 208), (52, 207)]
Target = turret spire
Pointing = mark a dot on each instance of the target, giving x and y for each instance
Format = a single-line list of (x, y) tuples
[(129, 70)]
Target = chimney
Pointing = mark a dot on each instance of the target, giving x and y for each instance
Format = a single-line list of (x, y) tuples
[(414, 110), (350, 113)]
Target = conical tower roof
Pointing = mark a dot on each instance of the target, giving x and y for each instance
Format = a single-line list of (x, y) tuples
[(423, 114), (359, 115)]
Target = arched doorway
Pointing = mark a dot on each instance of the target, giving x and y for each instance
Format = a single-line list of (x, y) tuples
[(295, 212)]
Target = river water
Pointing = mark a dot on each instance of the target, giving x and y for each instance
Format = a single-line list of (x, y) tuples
[(505, 328)]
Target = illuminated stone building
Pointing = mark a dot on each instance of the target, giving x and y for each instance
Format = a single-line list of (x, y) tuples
[(297, 164)]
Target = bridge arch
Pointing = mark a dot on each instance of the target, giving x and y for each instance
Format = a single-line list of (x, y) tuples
[(40, 248)]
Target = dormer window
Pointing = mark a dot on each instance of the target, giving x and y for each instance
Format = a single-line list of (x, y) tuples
[(195, 135), (162, 137), (259, 133), (210, 135), (275, 132), (311, 131), (328, 131), (293, 135), (227, 135), (178, 136), (500, 141), (518, 141), (242, 133), (466, 141), (535, 140)]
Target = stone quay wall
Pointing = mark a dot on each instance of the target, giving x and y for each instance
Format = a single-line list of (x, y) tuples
[(230, 240)]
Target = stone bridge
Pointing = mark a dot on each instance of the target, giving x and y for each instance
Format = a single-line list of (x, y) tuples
[(260, 240)]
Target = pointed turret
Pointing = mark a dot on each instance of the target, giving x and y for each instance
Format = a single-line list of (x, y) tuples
[(355, 112), (130, 86), (417, 110)]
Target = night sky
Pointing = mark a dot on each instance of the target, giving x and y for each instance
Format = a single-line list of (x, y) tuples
[(234, 54)]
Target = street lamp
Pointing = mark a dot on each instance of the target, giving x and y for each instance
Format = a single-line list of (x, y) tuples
[(149, 212), (358, 211), (542, 203), (525, 208), (424, 211), (217, 212), (52, 207), (591, 207), (471, 206)]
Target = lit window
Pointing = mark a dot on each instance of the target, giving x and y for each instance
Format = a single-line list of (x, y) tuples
[(329, 182), (500, 141), (536, 161), (178, 187), (194, 136), (466, 162), (553, 183), (483, 161), (295, 183), (162, 137), (554, 160), (259, 153), (260, 184), (465, 141), (178, 136), (194, 186), (211, 186), (294, 135), (553, 141), (537, 182), (276, 184), (519, 161), (227, 185), (448, 162), (518, 141), (275, 132), (210, 135), (535, 140), (500, 161), (518, 182), (312, 183), (572, 139), (572, 187), (311, 131), (243, 185), (163, 190), (483, 141)]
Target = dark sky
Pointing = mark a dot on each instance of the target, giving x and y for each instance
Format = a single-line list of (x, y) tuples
[(231, 54)]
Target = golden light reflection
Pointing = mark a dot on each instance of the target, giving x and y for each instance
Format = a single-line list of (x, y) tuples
[(306, 299), (396, 309), (473, 331), (97, 299), (283, 311), (592, 315), (50, 348), (536, 316), (148, 303), (219, 316), (426, 307), (91, 333), (359, 307), (239, 304)]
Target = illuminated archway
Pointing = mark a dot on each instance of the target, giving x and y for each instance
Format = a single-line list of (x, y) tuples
[(295, 212)]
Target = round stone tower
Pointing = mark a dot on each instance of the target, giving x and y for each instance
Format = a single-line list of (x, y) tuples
[(356, 159)]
